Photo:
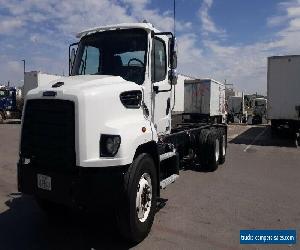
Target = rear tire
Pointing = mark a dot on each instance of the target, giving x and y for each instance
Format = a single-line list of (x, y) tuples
[(210, 151), (223, 146), (136, 212)]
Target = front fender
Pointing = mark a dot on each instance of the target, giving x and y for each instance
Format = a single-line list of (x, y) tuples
[(134, 131)]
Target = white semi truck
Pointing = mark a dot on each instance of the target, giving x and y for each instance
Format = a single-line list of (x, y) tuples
[(259, 110), (283, 92), (236, 109), (102, 137)]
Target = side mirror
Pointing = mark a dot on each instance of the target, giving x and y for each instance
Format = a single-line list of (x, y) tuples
[(173, 53), (173, 60), (72, 55), (72, 59), (172, 75)]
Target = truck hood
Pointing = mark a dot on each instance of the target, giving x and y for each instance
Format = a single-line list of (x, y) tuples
[(86, 84), (88, 81)]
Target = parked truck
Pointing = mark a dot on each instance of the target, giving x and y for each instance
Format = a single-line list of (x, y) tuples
[(283, 93), (236, 109), (259, 110), (10, 106), (102, 137)]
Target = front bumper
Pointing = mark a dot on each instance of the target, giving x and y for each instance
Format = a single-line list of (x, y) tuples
[(83, 188)]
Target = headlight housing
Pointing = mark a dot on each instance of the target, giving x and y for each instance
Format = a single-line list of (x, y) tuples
[(109, 145)]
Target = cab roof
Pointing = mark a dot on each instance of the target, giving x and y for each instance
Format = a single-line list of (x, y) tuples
[(145, 26)]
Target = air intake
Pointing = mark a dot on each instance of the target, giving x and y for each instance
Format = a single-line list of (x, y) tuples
[(131, 99)]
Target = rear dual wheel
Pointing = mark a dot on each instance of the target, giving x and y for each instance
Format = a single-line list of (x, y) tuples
[(223, 146), (212, 148)]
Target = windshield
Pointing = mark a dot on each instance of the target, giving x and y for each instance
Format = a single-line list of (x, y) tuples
[(3, 93), (119, 53), (260, 103)]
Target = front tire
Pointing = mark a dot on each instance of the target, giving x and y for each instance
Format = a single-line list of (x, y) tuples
[(136, 212)]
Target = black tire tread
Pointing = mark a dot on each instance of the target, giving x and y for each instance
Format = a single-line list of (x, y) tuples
[(206, 149), (222, 158)]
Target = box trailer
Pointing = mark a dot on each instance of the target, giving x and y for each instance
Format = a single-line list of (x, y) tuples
[(284, 92), (34, 79), (204, 99), (178, 101)]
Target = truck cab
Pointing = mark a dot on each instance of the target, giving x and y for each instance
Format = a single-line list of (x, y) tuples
[(259, 110), (102, 137), (8, 104), (236, 109)]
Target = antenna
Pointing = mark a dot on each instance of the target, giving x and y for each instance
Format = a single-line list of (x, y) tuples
[(174, 16)]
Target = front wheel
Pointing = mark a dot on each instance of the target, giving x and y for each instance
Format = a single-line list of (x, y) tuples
[(135, 214)]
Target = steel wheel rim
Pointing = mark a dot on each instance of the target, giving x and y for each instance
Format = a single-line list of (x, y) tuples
[(143, 197)]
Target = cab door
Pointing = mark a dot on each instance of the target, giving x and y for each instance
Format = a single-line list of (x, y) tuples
[(161, 96)]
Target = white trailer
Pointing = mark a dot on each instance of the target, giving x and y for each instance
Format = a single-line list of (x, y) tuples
[(204, 100), (284, 92), (178, 101), (34, 79)]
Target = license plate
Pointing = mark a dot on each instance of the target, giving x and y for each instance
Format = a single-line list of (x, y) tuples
[(44, 182)]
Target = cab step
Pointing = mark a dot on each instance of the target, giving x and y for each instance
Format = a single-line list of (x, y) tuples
[(167, 155), (165, 182)]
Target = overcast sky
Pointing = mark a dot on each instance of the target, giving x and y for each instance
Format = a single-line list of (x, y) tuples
[(216, 38)]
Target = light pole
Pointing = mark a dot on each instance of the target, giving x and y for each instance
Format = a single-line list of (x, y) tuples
[(24, 62)]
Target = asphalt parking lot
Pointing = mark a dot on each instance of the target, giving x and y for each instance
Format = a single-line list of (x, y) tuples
[(257, 188)]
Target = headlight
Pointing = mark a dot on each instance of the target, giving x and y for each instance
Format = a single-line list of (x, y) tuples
[(109, 145)]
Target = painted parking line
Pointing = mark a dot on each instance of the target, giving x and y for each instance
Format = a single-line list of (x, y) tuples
[(233, 136), (255, 139)]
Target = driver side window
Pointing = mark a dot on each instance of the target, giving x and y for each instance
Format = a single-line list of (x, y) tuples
[(91, 61), (158, 61)]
